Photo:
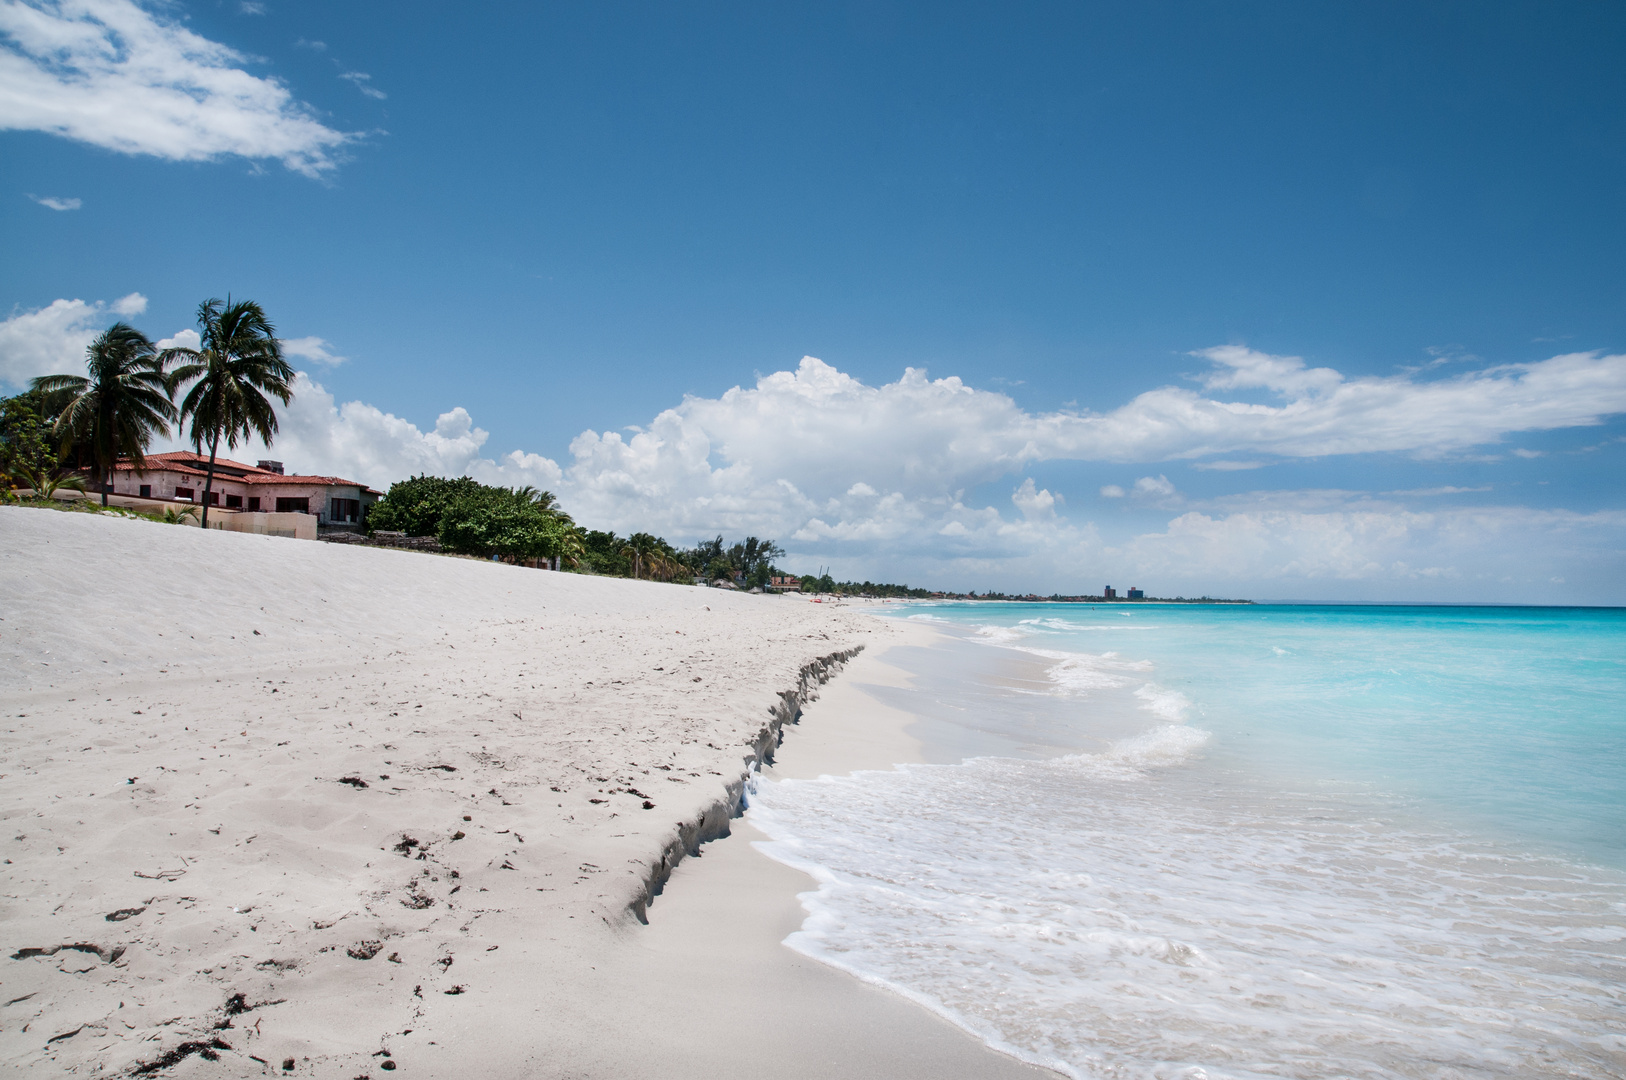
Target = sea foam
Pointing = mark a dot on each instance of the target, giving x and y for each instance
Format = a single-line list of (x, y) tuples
[(1087, 913)]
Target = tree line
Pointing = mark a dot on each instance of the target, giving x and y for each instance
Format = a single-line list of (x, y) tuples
[(71, 424), (525, 525)]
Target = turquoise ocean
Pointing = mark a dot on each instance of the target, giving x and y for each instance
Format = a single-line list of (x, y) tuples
[(1243, 841)]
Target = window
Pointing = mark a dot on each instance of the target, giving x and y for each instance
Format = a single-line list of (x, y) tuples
[(344, 509), (146, 491), (234, 502), (293, 506), (253, 502), (183, 493), (214, 498)]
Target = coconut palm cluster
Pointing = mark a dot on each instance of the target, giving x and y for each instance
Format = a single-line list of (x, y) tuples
[(128, 397)]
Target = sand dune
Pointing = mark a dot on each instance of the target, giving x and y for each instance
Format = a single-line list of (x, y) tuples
[(272, 801)]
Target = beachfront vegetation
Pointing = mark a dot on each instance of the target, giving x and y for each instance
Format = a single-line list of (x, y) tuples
[(749, 562), (116, 408), (238, 363), (471, 518), (523, 524), (824, 583), (27, 449)]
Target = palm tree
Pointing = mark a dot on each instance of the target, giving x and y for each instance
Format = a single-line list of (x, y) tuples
[(529, 496), (643, 549), (571, 549), (660, 564), (45, 483), (116, 411), (239, 363)]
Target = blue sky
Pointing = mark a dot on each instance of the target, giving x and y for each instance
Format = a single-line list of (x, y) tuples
[(568, 221)]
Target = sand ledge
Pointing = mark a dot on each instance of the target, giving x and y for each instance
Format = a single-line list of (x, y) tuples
[(713, 822)]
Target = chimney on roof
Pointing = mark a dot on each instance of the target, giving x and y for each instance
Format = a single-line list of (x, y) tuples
[(271, 466)]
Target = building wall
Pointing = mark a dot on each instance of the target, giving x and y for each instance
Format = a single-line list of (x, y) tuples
[(297, 526), (166, 484)]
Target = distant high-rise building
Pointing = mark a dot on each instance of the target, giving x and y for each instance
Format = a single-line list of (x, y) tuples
[(1136, 593), (1109, 593)]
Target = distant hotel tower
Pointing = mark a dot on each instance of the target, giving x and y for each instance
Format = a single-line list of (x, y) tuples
[(1136, 593), (1109, 593)]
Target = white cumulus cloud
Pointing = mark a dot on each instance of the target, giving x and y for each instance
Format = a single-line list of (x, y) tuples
[(784, 455), (52, 340), (181, 339), (318, 435), (1036, 504), (116, 74), (52, 202), (875, 480)]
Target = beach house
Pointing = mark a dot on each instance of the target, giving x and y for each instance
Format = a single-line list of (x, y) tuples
[(179, 477)]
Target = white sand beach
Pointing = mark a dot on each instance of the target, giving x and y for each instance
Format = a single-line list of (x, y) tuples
[(283, 807)]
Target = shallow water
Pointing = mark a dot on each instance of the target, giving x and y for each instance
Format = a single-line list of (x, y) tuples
[(1245, 842)]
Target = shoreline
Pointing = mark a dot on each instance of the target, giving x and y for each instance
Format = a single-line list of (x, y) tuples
[(723, 920)]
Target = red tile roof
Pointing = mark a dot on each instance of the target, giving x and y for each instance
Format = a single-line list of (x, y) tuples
[(191, 464)]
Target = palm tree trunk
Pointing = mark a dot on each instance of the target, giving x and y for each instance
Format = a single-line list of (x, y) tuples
[(209, 478), (107, 482)]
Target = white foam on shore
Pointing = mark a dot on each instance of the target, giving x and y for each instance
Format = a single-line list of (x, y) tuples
[(1079, 673), (1169, 705), (1108, 916), (1155, 909)]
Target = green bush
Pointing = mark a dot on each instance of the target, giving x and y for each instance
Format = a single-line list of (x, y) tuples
[(489, 527), (26, 447), (416, 506), (471, 518)]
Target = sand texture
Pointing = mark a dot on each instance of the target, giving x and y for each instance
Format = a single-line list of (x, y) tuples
[(357, 810)]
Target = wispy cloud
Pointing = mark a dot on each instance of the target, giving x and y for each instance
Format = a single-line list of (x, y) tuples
[(251, 7), (54, 203), (1446, 490), (1229, 466), (363, 82), (313, 46), (116, 75)]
